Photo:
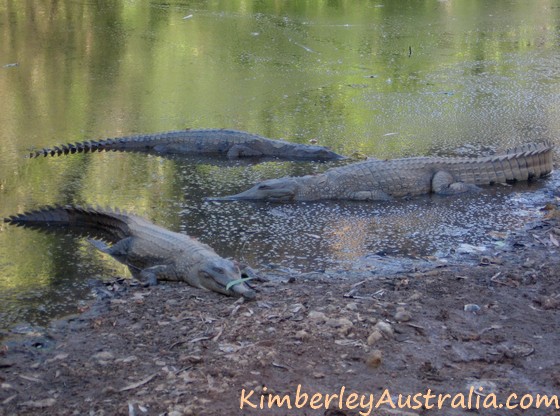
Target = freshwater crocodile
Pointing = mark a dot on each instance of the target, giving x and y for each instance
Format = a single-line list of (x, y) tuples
[(151, 252), (231, 143), (383, 179)]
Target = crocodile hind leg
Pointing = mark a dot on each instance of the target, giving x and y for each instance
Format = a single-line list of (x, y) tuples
[(119, 251), (443, 183)]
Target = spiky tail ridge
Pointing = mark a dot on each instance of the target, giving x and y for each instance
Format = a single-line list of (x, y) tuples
[(111, 223), (86, 146), (534, 148), (537, 158)]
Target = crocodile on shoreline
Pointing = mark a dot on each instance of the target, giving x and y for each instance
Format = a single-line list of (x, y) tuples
[(151, 252), (383, 179), (231, 143)]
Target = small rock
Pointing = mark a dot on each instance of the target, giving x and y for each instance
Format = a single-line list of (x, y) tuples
[(374, 359), (471, 307), (339, 323), (549, 302), (385, 328), (296, 307), (352, 306), (301, 335), (342, 325), (317, 316), (402, 315), (103, 355), (374, 337)]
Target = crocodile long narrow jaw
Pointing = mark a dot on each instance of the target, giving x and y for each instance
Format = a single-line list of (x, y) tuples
[(274, 190), (217, 274)]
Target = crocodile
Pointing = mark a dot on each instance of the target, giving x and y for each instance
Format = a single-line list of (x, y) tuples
[(373, 180), (151, 252), (233, 144)]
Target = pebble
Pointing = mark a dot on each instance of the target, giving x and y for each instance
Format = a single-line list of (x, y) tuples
[(374, 359), (471, 307), (549, 302), (402, 315), (385, 328), (302, 335), (343, 325), (103, 355), (374, 337), (317, 316), (339, 322), (352, 306)]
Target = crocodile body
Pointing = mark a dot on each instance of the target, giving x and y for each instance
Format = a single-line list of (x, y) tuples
[(230, 143), (384, 179), (150, 251)]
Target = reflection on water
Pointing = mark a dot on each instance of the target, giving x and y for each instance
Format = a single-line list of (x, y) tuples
[(387, 79)]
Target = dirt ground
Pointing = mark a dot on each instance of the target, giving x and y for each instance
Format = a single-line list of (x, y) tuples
[(476, 331)]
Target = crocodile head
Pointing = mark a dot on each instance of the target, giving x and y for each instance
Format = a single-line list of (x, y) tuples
[(274, 190), (215, 275)]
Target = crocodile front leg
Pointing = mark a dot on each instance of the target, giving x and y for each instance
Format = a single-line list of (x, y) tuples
[(149, 275)]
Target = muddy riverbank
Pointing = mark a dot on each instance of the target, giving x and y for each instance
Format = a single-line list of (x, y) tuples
[(489, 323)]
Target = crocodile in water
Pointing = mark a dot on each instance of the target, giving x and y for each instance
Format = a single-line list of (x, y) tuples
[(231, 143), (384, 179), (151, 252)]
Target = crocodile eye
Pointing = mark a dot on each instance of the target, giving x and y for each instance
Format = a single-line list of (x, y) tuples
[(264, 187), (218, 270)]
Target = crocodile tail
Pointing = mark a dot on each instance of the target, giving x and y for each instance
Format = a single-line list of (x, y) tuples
[(107, 224), (83, 147), (531, 160)]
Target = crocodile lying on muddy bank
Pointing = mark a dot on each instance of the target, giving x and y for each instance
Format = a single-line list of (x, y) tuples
[(231, 143), (384, 179), (151, 252)]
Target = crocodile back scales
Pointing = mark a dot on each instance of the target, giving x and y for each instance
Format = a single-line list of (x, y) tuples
[(519, 164)]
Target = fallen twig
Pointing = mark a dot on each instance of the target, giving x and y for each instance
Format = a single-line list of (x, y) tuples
[(139, 383)]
